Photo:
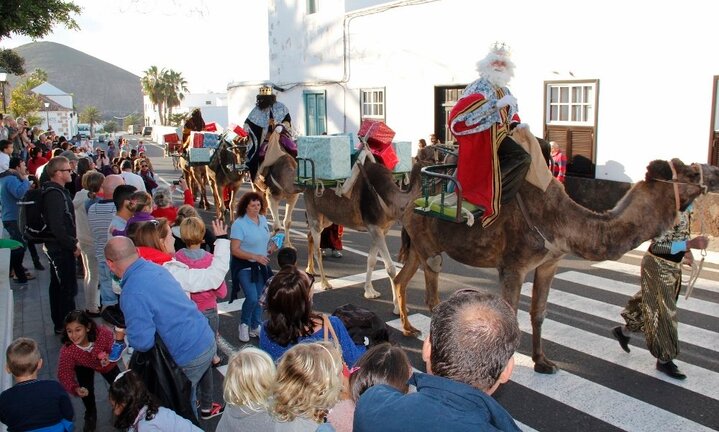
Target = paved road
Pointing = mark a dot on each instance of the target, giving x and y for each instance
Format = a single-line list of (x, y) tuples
[(599, 386)]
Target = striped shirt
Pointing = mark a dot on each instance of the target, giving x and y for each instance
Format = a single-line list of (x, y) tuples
[(99, 216)]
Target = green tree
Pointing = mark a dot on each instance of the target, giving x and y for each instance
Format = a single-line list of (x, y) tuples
[(12, 62), (92, 116), (23, 102), (132, 119), (153, 87), (174, 88), (176, 120), (111, 126), (36, 18)]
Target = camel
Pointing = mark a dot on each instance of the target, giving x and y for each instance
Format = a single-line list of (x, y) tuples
[(554, 226), (279, 185), (195, 176), (222, 171), (374, 204)]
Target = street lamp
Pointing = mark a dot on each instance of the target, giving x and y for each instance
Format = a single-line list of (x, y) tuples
[(3, 81), (47, 115)]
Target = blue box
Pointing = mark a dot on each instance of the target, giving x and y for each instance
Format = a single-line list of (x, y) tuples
[(403, 149), (331, 155), (200, 156), (353, 140)]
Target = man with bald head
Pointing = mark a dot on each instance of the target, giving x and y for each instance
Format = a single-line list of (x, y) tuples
[(153, 302), (468, 354), (99, 217)]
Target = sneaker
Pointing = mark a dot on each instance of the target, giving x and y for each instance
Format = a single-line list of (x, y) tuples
[(216, 410), (255, 332), (244, 333), (336, 253), (118, 347)]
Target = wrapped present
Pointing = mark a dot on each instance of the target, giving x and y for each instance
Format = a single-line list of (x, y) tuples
[(331, 155), (403, 150), (211, 127), (376, 134), (204, 139), (237, 129), (353, 141), (230, 137), (386, 157), (171, 138), (200, 156)]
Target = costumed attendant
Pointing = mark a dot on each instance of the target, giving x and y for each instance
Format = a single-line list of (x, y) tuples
[(491, 166), (331, 240), (653, 310), (268, 120)]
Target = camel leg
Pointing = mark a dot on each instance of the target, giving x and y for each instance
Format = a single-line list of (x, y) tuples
[(310, 254), (287, 221), (431, 293), (274, 207), (314, 251), (369, 291), (543, 276), (217, 196), (400, 286)]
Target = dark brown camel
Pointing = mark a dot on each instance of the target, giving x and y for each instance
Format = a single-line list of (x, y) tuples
[(195, 176), (514, 248), (374, 205), (279, 185), (223, 170)]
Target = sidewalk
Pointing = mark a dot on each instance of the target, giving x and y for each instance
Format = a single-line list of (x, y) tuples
[(32, 319)]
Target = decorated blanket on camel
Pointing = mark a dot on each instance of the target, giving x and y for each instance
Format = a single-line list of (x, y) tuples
[(449, 203)]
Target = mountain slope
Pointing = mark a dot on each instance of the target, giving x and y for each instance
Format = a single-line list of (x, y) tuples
[(114, 91)]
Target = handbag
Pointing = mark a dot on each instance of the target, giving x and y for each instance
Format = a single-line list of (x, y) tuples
[(164, 379)]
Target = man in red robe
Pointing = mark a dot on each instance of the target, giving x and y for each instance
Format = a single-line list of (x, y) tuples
[(491, 166)]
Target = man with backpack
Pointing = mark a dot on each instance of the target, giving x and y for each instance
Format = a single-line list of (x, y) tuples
[(62, 246), (13, 188)]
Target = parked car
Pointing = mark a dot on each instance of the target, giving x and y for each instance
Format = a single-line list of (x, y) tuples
[(147, 131)]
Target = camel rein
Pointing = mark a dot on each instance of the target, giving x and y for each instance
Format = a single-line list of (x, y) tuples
[(547, 244)]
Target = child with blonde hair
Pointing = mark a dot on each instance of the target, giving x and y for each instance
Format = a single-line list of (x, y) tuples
[(309, 383), (31, 403), (251, 375)]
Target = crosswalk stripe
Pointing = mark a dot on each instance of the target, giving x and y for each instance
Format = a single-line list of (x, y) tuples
[(687, 333), (355, 279), (640, 255), (628, 289), (711, 256), (627, 412), (227, 307), (634, 270)]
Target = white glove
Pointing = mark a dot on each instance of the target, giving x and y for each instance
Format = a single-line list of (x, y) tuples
[(506, 100), (278, 129)]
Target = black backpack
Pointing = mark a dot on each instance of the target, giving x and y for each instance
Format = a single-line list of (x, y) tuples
[(363, 325), (30, 221)]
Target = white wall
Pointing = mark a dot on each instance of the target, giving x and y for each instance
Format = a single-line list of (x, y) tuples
[(655, 83)]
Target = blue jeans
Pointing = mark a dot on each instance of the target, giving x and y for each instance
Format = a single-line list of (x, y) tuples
[(198, 370), (251, 309), (107, 295)]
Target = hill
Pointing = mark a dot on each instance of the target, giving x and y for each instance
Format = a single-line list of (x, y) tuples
[(114, 91)]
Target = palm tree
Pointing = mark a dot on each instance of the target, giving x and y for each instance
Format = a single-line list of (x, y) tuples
[(153, 86), (92, 116), (174, 87)]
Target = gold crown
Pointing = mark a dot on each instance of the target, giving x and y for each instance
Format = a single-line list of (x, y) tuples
[(265, 91), (501, 49)]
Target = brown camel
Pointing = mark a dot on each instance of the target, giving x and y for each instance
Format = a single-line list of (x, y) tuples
[(279, 185), (222, 171), (554, 226), (374, 205), (195, 176)]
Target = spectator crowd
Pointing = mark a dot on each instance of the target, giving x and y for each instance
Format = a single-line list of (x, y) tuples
[(153, 274)]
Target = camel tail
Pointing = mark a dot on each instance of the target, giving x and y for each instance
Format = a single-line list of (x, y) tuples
[(404, 248)]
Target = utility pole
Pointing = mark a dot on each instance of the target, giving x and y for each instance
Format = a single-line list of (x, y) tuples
[(3, 81)]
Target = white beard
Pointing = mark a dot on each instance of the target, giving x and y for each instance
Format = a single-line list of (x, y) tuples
[(499, 78)]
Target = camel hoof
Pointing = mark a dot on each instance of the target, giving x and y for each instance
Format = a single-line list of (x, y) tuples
[(546, 367), (411, 331), (371, 293)]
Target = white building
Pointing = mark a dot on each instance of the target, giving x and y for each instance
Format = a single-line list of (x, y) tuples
[(57, 110), (616, 86), (212, 105)]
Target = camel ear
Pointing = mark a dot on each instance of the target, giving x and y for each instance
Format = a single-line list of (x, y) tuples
[(658, 169)]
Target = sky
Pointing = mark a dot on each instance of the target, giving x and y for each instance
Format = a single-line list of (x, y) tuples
[(211, 42)]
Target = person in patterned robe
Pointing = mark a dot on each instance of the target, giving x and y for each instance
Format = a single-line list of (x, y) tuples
[(491, 166), (653, 310)]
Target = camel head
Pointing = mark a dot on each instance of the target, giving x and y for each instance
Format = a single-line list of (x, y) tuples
[(693, 180)]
